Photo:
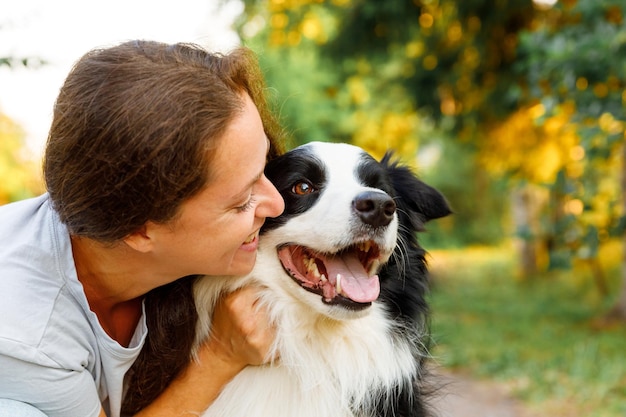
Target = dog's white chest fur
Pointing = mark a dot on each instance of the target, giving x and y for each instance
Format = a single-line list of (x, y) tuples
[(325, 366)]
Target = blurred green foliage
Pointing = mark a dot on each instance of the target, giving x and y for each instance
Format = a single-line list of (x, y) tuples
[(541, 340), (516, 95)]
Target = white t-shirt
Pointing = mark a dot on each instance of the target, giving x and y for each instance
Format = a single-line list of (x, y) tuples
[(53, 352)]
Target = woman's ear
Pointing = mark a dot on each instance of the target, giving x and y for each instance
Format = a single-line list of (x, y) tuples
[(141, 239)]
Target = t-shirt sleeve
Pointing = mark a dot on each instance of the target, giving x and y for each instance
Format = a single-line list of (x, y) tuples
[(56, 392)]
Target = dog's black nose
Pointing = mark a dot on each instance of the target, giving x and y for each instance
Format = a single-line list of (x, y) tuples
[(374, 208)]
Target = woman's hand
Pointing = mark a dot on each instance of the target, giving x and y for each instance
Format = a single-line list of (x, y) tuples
[(241, 335), (241, 332)]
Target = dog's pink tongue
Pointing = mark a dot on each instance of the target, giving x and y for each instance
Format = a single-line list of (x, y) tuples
[(355, 283)]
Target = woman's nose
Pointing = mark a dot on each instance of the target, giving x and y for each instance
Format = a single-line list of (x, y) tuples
[(272, 203)]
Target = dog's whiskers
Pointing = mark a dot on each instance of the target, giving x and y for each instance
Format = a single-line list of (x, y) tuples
[(399, 257)]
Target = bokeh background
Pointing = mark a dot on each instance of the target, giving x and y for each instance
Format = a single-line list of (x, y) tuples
[(514, 109)]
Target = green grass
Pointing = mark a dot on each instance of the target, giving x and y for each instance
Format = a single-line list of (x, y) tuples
[(540, 340)]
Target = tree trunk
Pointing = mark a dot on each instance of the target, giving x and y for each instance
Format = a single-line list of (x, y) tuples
[(526, 205)]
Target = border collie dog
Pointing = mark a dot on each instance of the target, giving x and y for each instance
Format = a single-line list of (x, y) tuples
[(344, 280)]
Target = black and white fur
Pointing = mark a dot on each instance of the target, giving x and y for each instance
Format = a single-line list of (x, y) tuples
[(338, 357)]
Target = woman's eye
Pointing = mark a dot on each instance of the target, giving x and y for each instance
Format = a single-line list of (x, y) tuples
[(247, 205), (302, 188)]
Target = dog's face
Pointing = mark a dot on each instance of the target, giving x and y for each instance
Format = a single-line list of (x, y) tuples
[(339, 226)]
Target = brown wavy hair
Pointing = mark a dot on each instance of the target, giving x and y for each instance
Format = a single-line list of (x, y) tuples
[(134, 127)]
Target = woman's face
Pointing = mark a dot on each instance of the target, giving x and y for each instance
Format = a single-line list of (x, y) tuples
[(217, 231)]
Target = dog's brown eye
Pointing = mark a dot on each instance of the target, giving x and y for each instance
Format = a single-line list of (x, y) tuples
[(302, 188)]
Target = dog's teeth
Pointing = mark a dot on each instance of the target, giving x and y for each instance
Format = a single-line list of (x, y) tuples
[(311, 266), (338, 284), (374, 267), (323, 278), (313, 269)]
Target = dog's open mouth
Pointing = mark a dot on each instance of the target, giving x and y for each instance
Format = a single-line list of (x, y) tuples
[(347, 277)]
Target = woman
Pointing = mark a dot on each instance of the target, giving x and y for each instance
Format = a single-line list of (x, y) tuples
[(154, 171)]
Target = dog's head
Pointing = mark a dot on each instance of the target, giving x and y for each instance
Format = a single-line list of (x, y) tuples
[(343, 213)]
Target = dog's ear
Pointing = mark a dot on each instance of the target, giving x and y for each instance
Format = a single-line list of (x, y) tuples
[(414, 196)]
